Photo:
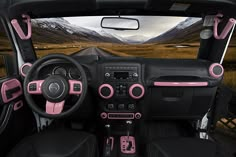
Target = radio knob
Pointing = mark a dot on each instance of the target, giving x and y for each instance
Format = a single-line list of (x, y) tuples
[(107, 74)]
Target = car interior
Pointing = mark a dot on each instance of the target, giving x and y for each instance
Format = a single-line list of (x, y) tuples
[(100, 105)]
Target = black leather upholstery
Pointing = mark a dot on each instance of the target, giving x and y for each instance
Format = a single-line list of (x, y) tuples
[(62, 143), (184, 147)]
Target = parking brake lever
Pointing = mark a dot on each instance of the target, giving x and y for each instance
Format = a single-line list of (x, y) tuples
[(108, 142)]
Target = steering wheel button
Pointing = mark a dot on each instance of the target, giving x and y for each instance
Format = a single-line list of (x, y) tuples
[(77, 87), (33, 87)]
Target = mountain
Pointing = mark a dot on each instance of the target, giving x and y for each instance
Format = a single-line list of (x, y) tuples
[(185, 32), (58, 30), (135, 39)]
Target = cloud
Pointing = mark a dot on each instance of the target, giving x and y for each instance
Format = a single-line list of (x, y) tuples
[(150, 26)]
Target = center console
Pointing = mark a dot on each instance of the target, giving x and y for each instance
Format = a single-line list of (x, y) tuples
[(120, 91)]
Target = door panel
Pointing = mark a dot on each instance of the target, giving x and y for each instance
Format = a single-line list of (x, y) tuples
[(16, 119)]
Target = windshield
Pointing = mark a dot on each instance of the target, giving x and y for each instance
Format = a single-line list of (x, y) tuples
[(157, 37)]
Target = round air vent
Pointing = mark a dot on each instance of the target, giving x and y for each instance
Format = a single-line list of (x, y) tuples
[(25, 69), (136, 91), (216, 70), (106, 91)]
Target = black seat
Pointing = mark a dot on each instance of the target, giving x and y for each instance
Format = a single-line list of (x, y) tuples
[(184, 147), (62, 143)]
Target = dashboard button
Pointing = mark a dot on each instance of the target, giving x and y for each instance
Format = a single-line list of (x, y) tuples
[(121, 106), (131, 106), (111, 106)]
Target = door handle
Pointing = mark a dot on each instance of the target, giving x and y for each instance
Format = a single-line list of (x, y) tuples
[(10, 92)]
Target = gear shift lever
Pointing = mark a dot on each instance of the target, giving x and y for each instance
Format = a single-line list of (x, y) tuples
[(129, 124), (127, 143)]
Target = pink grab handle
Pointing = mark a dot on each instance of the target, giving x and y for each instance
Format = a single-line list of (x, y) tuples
[(227, 28), (19, 30)]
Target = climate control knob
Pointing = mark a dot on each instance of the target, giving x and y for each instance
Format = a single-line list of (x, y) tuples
[(106, 91), (136, 91)]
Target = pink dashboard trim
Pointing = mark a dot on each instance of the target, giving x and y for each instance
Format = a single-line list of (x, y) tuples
[(110, 115), (54, 108), (18, 105), (38, 87), (8, 85), (181, 84), (110, 88), (124, 143), (72, 83), (135, 86), (211, 70), (21, 68)]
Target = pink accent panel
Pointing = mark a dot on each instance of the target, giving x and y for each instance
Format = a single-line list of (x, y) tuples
[(103, 115), (54, 108), (110, 88), (138, 115), (19, 30), (211, 70), (227, 28), (135, 86), (124, 143), (112, 142), (18, 105), (72, 83), (181, 84), (38, 87), (21, 68), (115, 116), (8, 85)]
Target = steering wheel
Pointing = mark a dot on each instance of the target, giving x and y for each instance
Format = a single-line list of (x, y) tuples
[(55, 89)]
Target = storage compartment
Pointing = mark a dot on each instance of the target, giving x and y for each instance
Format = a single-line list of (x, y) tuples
[(180, 102)]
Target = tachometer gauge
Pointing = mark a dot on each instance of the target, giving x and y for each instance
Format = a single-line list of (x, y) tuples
[(59, 71), (74, 74)]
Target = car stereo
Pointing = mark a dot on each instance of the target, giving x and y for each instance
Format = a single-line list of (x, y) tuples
[(121, 73)]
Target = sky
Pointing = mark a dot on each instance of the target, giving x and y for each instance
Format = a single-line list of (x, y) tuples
[(150, 26)]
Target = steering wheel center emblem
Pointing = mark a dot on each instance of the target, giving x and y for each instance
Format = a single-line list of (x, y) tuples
[(54, 87)]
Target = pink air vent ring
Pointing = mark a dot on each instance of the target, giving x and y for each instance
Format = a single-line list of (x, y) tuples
[(106, 91), (136, 91), (216, 70)]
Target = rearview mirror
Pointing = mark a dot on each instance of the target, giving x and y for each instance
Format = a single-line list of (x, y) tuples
[(120, 23)]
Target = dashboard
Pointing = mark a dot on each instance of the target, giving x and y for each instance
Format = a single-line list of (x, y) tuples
[(135, 88)]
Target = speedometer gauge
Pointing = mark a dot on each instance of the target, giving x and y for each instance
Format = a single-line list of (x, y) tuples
[(74, 74), (59, 71)]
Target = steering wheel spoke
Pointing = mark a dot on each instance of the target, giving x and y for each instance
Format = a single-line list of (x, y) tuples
[(75, 87), (35, 87), (54, 107)]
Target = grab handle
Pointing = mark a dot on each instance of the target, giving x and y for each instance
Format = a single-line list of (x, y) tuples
[(227, 28), (18, 29)]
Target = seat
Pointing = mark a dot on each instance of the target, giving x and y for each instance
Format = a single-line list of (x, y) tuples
[(59, 143), (184, 147)]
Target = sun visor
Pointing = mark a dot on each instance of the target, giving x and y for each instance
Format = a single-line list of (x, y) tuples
[(46, 8), (192, 7)]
